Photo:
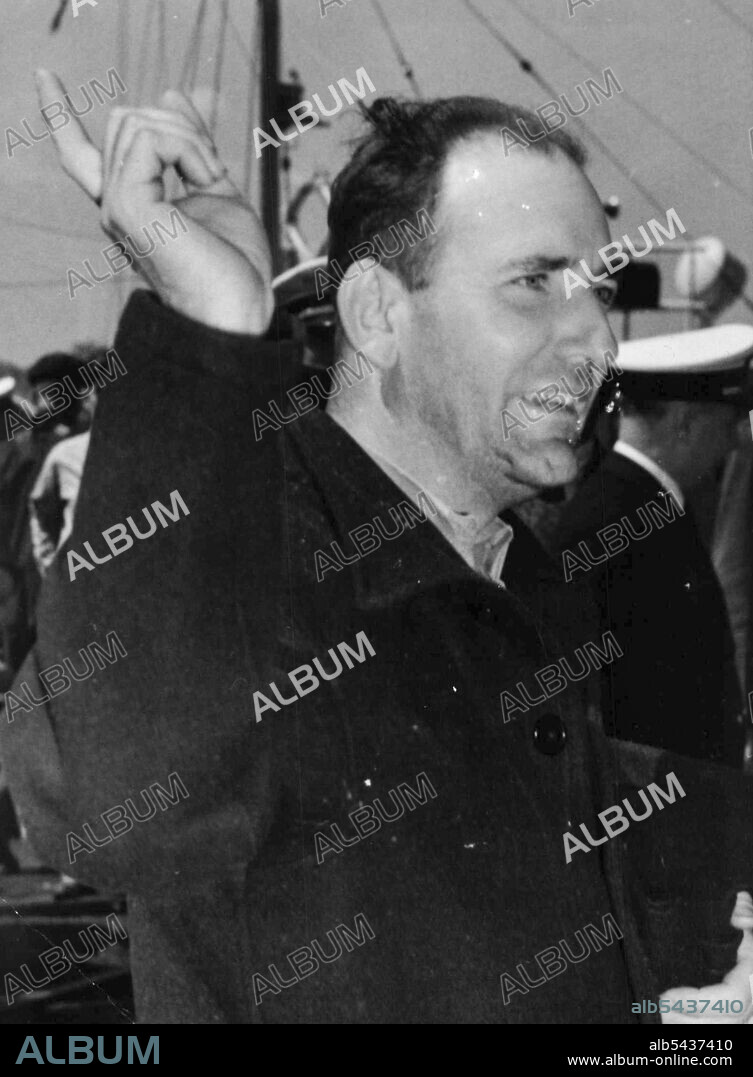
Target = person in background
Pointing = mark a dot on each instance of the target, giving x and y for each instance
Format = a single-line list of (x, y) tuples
[(729, 527), (52, 501), (40, 469), (48, 377), (651, 574)]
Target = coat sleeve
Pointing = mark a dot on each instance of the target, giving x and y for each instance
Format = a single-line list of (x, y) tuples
[(187, 485)]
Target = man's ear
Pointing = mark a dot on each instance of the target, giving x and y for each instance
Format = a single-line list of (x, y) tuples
[(369, 307)]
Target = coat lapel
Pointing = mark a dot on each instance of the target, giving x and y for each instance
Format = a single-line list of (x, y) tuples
[(357, 491)]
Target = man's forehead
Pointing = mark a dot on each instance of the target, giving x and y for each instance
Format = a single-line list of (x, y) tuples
[(527, 192)]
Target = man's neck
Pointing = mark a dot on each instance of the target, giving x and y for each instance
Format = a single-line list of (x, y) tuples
[(414, 453)]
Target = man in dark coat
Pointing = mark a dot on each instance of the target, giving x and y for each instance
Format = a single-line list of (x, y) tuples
[(375, 756), (630, 530)]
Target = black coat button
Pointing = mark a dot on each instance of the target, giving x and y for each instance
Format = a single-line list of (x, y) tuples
[(549, 734)]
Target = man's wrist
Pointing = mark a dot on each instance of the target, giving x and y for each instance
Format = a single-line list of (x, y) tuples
[(235, 301)]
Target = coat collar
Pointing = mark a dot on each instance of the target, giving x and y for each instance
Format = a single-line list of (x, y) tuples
[(632, 473), (357, 491), (663, 478)]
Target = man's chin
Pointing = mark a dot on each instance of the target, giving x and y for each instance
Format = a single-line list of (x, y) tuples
[(553, 463)]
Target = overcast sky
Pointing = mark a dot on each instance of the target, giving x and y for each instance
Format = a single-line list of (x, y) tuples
[(685, 61)]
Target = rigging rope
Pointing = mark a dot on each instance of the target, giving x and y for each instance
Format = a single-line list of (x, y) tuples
[(143, 53), (732, 15), (163, 67), (123, 41), (238, 38), (18, 222), (32, 284), (656, 120), (529, 69), (253, 82), (190, 64), (58, 16), (218, 62), (401, 58)]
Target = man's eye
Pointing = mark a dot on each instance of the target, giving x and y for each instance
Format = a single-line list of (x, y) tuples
[(606, 296), (532, 280)]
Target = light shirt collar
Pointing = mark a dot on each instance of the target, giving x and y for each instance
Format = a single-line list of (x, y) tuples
[(665, 481), (481, 539)]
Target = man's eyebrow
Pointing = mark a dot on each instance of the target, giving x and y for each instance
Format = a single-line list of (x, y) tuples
[(538, 263)]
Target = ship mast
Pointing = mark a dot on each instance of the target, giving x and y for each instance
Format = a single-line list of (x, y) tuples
[(270, 106)]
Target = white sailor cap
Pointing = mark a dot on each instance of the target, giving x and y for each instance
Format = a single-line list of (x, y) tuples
[(701, 364)]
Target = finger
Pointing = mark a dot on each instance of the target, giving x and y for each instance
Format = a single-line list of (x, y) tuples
[(79, 157), (185, 151), (116, 123), (155, 117), (169, 129), (163, 115), (173, 99), (179, 102), (139, 176)]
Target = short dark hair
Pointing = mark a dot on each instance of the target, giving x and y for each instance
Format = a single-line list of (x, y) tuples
[(396, 171), (53, 367)]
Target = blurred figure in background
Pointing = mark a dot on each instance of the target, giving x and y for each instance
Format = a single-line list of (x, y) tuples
[(630, 529), (37, 497), (53, 498), (8, 398), (724, 509), (9, 831), (52, 501), (54, 379)]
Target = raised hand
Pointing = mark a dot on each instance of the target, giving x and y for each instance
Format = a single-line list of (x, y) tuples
[(219, 271)]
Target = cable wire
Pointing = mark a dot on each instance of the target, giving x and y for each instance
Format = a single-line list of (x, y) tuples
[(253, 86), (401, 57), (143, 54), (238, 38), (58, 17), (190, 64), (123, 41), (162, 81), (32, 284), (13, 222), (529, 69), (654, 119), (219, 59), (732, 15)]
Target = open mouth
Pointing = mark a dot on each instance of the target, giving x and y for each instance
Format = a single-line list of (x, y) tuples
[(567, 422), (562, 417)]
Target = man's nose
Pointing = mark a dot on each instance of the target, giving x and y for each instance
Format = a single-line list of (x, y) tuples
[(587, 329)]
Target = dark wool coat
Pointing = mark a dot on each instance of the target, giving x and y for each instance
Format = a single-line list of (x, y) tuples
[(467, 885), (677, 687)]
